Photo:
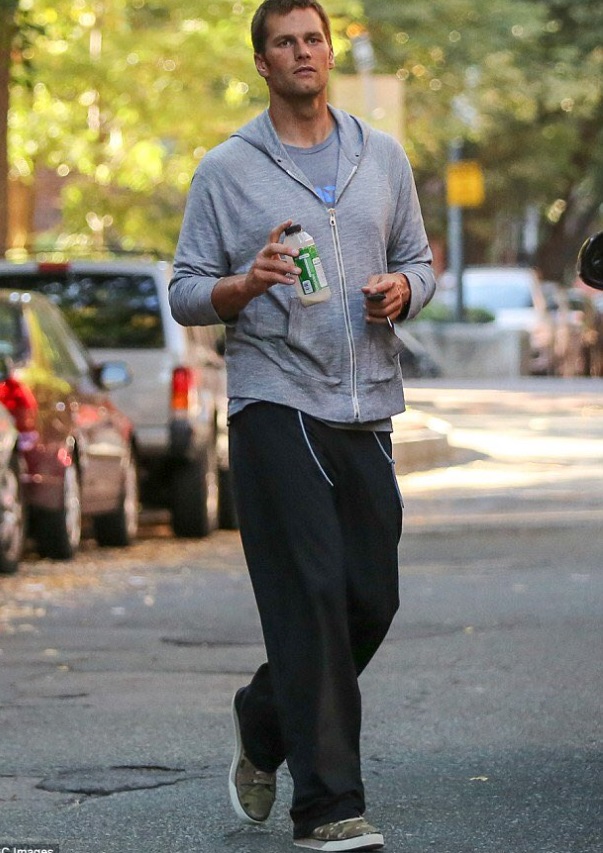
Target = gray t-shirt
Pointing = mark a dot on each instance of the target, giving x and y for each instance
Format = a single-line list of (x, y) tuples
[(319, 164)]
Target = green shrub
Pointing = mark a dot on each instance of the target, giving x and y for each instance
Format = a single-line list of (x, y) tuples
[(439, 313)]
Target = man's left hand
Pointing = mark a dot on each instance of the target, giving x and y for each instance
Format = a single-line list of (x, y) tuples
[(394, 302)]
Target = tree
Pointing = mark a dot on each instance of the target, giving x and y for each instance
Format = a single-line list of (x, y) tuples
[(522, 82), (126, 98)]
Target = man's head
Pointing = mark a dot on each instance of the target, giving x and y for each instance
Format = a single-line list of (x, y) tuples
[(259, 29)]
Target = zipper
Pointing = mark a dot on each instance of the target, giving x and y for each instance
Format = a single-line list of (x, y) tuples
[(346, 313), (344, 296)]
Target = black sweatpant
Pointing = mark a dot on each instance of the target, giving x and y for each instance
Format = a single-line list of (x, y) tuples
[(320, 517)]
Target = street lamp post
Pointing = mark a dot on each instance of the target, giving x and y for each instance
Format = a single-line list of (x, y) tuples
[(455, 239)]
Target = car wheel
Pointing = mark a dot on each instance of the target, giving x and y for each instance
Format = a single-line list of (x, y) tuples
[(227, 510), (195, 496), (120, 528), (58, 532), (12, 519)]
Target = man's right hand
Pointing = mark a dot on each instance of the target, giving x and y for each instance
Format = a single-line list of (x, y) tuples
[(269, 266), (232, 293)]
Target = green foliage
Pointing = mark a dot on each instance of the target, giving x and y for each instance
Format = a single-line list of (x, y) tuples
[(126, 98), (523, 82), (436, 312), (121, 98)]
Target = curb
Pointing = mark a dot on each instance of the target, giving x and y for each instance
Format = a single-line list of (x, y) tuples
[(419, 441)]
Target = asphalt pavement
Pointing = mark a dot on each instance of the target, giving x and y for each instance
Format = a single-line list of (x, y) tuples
[(482, 711)]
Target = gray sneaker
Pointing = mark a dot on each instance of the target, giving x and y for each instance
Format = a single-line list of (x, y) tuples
[(252, 791), (352, 834)]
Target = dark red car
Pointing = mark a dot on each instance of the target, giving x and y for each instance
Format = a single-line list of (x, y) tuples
[(79, 459)]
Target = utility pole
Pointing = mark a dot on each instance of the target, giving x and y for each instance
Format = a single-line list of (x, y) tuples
[(455, 236), (464, 188)]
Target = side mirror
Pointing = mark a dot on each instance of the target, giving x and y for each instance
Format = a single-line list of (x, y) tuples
[(590, 261), (113, 375)]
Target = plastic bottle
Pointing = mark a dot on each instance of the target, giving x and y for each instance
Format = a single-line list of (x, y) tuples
[(311, 285)]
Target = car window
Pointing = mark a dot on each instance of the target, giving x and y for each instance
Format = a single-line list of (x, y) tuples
[(497, 296), (13, 341), (106, 310), (66, 360)]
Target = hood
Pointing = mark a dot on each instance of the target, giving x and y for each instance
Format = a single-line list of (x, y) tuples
[(260, 132)]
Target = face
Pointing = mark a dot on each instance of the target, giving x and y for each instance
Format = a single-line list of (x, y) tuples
[(297, 57)]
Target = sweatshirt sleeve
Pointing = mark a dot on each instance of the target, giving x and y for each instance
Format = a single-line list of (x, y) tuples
[(408, 248), (200, 259)]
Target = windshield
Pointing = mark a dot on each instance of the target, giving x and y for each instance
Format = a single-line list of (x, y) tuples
[(106, 310), (497, 294)]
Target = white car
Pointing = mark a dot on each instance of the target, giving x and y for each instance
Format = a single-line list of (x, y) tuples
[(177, 398), (515, 298)]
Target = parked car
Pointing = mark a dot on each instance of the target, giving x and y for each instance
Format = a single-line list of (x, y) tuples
[(518, 300), (79, 459), (415, 360), (579, 332), (177, 398), (12, 516)]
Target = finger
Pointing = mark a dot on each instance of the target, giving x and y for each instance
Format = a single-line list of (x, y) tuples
[(375, 284), (272, 250), (270, 275), (275, 234), (382, 321), (273, 262)]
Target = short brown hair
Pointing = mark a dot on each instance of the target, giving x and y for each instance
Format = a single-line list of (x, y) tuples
[(259, 32)]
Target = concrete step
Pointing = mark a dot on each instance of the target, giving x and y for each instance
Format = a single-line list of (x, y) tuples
[(419, 441)]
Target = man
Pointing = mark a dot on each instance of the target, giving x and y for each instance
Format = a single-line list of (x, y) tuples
[(311, 395)]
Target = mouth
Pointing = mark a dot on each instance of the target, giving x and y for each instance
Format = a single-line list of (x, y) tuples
[(305, 69)]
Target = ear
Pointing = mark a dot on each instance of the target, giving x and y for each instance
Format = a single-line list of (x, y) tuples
[(331, 57), (260, 64)]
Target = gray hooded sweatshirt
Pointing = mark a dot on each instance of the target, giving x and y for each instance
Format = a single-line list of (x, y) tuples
[(323, 359)]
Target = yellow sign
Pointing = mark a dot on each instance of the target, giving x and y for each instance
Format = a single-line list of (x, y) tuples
[(465, 184)]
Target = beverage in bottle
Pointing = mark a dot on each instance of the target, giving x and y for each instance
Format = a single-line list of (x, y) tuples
[(311, 284)]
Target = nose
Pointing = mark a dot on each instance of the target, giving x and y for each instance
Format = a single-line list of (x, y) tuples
[(302, 49)]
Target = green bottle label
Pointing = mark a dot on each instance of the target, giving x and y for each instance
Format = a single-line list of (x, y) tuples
[(312, 277)]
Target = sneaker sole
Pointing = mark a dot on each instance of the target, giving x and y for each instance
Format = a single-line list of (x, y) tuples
[(374, 841), (232, 788)]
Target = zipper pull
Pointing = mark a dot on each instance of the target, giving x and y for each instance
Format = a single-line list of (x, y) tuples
[(331, 212)]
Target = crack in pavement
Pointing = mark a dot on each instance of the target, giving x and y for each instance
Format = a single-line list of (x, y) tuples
[(105, 781)]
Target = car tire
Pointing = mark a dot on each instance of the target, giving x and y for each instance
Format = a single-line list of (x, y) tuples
[(194, 500), (58, 532), (227, 510), (119, 528), (12, 519)]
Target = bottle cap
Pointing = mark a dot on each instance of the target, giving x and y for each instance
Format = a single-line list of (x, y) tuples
[(293, 229)]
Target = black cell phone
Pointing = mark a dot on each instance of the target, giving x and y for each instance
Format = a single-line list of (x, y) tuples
[(375, 297)]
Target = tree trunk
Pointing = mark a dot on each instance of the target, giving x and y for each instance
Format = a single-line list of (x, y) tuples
[(7, 25)]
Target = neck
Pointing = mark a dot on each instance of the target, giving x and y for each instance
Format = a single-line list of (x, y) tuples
[(302, 124)]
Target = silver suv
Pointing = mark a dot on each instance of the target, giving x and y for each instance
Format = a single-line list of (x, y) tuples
[(177, 399)]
